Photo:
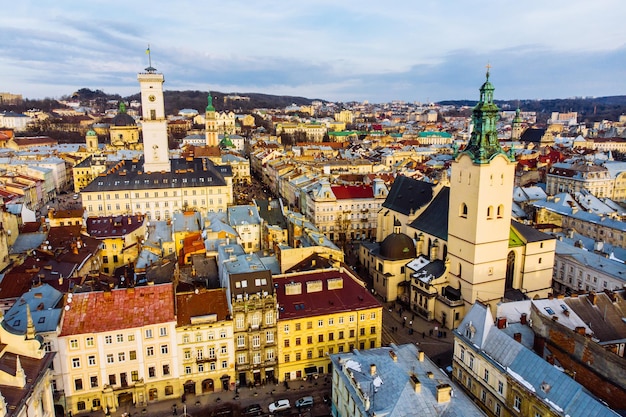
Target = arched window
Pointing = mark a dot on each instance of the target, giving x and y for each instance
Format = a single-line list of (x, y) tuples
[(460, 270), (500, 211), (510, 271), (490, 212), (463, 210)]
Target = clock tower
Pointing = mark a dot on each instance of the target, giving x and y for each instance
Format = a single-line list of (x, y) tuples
[(479, 215), (154, 123)]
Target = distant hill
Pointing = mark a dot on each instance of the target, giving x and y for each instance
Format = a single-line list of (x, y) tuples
[(590, 109), (177, 100)]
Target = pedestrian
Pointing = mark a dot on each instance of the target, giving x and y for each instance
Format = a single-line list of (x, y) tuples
[(403, 324), (413, 317), (430, 332), (405, 319), (445, 334), (423, 335), (411, 323)]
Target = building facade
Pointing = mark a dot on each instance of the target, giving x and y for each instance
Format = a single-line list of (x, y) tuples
[(321, 313), (112, 360), (205, 342)]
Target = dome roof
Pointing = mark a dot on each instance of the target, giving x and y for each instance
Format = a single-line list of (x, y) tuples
[(123, 119), (91, 132), (397, 246)]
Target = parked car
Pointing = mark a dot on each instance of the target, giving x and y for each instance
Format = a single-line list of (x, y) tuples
[(304, 402), (224, 411), (279, 405), (252, 410)]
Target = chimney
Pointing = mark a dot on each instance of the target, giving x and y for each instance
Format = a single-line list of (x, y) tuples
[(444, 393), (393, 355), (539, 345), (592, 297), (420, 356), (415, 382), (502, 323), (580, 330), (517, 337), (523, 319), (372, 369)]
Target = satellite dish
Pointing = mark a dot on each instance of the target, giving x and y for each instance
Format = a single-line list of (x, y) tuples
[(67, 308)]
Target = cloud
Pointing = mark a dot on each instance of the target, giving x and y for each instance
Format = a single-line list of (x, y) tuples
[(350, 50)]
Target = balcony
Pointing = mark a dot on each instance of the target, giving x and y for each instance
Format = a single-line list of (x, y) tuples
[(205, 360)]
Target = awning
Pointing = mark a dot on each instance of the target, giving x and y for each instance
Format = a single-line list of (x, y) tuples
[(310, 370)]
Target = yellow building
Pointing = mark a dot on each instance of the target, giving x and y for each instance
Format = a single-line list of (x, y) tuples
[(314, 131), (120, 238), (322, 312), (205, 342), (194, 184), (123, 130), (344, 116), (57, 218)]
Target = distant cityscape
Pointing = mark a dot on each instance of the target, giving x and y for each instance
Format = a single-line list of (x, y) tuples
[(247, 254)]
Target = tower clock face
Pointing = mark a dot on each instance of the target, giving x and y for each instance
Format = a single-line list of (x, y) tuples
[(151, 97)]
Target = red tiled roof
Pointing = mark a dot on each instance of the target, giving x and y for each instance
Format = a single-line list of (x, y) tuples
[(30, 227), (14, 284), (351, 297), (96, 312), (35, 141), (343, 192), (202, 304), (66, 214)]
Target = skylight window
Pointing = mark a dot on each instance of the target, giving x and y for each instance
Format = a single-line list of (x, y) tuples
[(549, 310)]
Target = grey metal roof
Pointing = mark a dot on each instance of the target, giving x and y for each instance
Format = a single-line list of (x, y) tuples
[(390, 390), (197, 172), (434, 219), (560, 392), (530, 234), (44, 309), (407, 195)]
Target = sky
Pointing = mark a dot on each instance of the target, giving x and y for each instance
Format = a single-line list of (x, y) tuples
[(340, 50)]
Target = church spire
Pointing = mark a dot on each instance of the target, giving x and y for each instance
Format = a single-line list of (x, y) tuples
[(483, 144), (209, 106), (30, 325)]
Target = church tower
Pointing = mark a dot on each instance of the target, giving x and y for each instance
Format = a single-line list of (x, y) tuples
[(154, 123), (479, 216), (91, 141), (210, 123), (516, 126)]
